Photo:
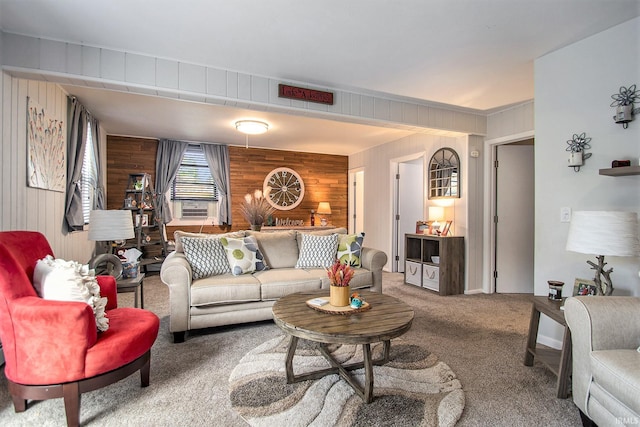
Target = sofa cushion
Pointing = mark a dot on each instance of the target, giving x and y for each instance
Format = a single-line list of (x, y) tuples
[(280, 249), (278, 283), (206, 257), (617, 371), (349, 249), (243, 255), (225, 289), (60, 280), (179, 234), (317, 251)]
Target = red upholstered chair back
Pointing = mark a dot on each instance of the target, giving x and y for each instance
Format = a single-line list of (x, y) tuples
[(19, 252)]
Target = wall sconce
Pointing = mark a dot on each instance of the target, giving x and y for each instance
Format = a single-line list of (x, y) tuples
[(624, 102), (577, 147), (324, 208)]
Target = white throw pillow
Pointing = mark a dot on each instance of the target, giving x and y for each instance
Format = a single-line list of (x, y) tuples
[(60, 280), (317, 251), (206, 257)]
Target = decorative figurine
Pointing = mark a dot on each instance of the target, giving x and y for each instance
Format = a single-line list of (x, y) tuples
[(356, 301)]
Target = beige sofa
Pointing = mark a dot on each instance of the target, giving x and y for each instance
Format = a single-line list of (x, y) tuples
[(605, 336), (227, 299)]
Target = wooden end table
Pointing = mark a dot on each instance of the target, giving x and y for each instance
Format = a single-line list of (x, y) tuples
[(388, 318), (558, 361), (132, 285)]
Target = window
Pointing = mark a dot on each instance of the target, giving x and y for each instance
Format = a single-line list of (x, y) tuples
[(193, 180), (89, 178)]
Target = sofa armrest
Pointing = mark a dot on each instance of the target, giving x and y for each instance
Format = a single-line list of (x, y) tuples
[(599, 323), (177, 275), (373, 260), (63, 332)]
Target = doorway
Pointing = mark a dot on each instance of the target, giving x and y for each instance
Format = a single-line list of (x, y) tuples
[(408, 189), (513, 255)]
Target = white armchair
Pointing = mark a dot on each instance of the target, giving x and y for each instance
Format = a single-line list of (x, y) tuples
[(605, 335)]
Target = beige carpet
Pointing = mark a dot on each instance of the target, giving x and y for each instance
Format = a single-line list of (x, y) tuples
[(480, 337), (412, 389)]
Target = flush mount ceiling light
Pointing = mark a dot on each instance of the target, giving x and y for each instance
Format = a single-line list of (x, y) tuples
[(251, 127)]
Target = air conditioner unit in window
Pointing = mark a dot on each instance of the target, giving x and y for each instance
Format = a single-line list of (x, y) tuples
[(193, 209)]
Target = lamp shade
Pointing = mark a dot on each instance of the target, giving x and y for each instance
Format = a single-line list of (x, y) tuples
[(110, 225), (436, 213), (324, 208), (604, 233)]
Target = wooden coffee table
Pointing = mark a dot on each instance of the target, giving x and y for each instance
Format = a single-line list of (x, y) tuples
[(388, 318)]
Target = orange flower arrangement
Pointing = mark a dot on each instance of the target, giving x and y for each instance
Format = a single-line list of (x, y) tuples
[(340, 274)]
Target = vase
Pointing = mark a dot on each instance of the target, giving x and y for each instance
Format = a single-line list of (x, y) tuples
[(339, 296), (256, 227)]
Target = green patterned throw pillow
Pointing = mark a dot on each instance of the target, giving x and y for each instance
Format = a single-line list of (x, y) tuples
[(349, 249), (243, 255)]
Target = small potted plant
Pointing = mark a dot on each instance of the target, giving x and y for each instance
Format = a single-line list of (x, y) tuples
[(339, 275), (256, 209)]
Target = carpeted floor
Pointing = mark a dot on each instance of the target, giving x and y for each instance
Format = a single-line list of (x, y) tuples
[(480, 337)]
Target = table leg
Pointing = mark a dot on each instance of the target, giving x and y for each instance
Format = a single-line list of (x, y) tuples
[(368, 373), (135, 297), (288, 364), (142, 293), (533, 336), (564, 370)]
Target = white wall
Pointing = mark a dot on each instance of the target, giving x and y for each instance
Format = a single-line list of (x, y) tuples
[(25, 208), (378, 209), (573, 88)]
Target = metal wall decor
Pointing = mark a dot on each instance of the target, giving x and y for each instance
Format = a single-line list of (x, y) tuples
[(577, 146), (624, 102)]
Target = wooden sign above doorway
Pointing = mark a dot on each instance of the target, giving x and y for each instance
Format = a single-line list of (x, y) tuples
[(303, 94)]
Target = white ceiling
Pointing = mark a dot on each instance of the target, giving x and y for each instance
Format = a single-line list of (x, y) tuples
[(470, 53)]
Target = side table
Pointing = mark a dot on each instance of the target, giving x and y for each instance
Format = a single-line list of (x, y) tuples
[(132, 285), (558, 361)]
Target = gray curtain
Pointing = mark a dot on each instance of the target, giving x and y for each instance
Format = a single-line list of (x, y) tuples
[(217, 156), (78, 118), (167, 163), (99, 196)]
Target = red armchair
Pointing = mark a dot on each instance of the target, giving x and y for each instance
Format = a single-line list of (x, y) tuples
[(52, 348)]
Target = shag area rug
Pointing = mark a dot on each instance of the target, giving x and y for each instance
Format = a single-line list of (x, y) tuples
[(413, 389)]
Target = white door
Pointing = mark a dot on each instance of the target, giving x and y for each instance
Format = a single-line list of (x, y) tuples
[(515, 218), (410, 206)]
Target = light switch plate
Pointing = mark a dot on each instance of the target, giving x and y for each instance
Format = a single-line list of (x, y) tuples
[(565, 214)]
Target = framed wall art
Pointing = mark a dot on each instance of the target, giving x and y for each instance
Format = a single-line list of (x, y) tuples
[(46, 148)]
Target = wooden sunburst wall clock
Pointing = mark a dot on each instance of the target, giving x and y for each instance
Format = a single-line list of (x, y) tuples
[(284, 187)]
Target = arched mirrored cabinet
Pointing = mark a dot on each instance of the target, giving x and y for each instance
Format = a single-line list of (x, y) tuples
[(444, 174)]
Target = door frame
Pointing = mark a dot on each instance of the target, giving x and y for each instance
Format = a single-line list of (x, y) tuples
[(393, 170), (489, 227), (352, 193)]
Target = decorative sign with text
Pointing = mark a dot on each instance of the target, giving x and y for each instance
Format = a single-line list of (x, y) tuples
[(302, 94)]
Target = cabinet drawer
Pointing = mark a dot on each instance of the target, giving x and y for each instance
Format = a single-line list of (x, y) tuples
[(431, 277), (413, 273)]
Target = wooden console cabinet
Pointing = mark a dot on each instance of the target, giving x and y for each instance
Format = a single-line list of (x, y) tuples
[(445, 277)]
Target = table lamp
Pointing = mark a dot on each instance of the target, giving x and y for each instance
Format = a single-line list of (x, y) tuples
[(324, 208), (110, 226), (603, 233), (436, 213)]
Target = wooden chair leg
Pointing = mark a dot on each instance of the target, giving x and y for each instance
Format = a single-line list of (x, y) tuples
[(71, 395), (145, 372), (19, 404)]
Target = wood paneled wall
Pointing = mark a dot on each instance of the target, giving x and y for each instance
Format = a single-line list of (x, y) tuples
[(325, 178)]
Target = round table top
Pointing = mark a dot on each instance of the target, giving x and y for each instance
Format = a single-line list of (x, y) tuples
[(388, 318)]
